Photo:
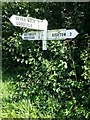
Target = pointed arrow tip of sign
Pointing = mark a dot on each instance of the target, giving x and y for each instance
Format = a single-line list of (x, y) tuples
[(76, 33), (71, 33), (22, 36), (12, 19)]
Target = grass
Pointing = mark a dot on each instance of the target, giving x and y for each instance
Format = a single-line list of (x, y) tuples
[(17, 103), (10, 108), (17, 109)]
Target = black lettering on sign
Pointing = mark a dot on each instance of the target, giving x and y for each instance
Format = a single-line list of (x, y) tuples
[(31, 37), (21, 19), (70, 33), (29, 25), (17, 23), (55, 34), (17, 18), (25, 34), (26, 38), (30, 20), (23, 24), (62, 34), (32, 34)]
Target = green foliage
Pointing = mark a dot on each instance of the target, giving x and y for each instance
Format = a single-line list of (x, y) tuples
[(53, 83)]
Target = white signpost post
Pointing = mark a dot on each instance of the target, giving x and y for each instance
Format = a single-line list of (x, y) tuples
[(44, 40)]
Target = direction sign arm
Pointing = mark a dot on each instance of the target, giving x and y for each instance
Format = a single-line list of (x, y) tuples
[(72, 33)]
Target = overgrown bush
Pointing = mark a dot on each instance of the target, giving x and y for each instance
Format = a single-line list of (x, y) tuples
[(55, 81)]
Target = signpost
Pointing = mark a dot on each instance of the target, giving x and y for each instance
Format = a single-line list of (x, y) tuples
[(29, 22), (43, 34)]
